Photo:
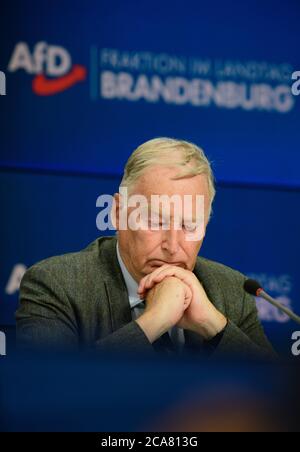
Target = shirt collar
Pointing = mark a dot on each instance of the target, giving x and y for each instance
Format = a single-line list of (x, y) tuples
[(130, 282)]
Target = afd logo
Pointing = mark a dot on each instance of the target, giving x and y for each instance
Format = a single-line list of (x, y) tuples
[(51, 65), (2, 84), (2, 344)]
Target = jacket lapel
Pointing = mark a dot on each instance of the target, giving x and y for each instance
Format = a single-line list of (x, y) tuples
[(210, 285), (194, 341), (120, 311)]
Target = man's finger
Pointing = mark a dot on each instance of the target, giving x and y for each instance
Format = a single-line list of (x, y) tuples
[(155, 272), (157, 277)]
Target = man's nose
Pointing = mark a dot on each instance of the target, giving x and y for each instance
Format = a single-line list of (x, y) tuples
[(171, 240)]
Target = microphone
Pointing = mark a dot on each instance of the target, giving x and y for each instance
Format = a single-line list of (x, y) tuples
[(254, 288)]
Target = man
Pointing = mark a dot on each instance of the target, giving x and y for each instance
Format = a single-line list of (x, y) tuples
[(146, 290)]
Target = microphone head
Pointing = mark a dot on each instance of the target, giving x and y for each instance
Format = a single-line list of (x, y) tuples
[(252, 287)]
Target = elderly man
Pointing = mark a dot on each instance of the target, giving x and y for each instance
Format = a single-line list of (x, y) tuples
[(145, 289)]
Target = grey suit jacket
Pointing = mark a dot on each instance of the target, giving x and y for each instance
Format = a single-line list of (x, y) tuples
[(80, 299)]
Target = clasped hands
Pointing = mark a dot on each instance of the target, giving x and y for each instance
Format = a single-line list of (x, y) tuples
[(174, 296)]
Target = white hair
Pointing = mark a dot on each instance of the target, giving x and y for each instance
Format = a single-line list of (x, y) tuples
[(171, 153)]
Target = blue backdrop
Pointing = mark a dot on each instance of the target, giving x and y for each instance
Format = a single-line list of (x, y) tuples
[(88, 82)]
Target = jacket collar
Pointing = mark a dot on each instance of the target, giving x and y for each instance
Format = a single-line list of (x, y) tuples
[(131, 284), (214, 293), (120, 310)]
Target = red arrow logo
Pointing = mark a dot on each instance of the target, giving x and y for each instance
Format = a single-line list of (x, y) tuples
[(44, 86)]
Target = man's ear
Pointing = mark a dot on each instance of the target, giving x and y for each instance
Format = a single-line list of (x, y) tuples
[(115, 211)]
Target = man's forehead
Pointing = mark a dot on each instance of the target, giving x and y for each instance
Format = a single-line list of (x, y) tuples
[(154, 184)]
